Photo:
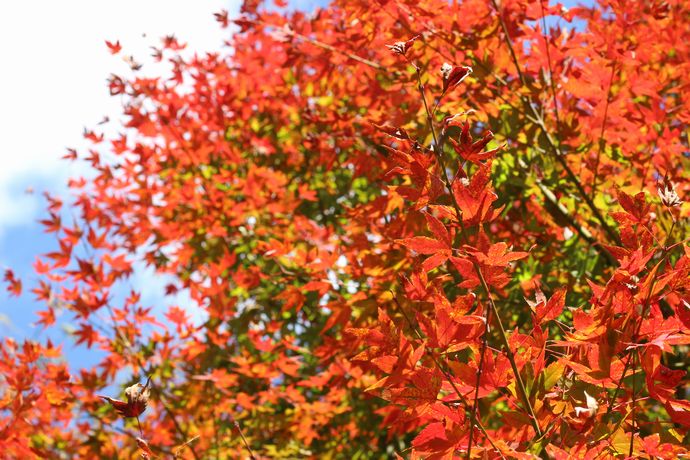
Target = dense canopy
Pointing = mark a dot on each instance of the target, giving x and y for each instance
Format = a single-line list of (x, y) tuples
[(420, 228)]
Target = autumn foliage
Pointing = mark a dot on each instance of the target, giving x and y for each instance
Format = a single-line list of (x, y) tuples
[(424, 229)]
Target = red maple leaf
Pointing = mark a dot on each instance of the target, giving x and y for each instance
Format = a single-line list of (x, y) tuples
[(14, 284), (113, 47), (440, 247)]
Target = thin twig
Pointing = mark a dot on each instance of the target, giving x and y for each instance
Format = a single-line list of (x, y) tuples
[(632, 408), (556, 151), (134, 437), (244, 440), (638, 326), (178, 451), (438, 149), (447, 375), (291, 33), (480, 368), (548, 60), (177, 426), (603, 130), (127, 346), (438, 152), (501, 81), (436, 362), (429, 115), (557, 210), (511, 356)]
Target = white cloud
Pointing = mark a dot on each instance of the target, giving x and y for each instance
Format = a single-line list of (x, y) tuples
[(53, 80)]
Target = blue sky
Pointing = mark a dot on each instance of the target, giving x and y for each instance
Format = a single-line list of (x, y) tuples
[(53, 84)]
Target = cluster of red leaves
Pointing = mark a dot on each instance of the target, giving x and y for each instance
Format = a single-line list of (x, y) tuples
[(14, 284), (369, 203)]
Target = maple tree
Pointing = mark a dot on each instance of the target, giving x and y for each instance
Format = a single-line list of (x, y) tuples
[(427, 229)]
